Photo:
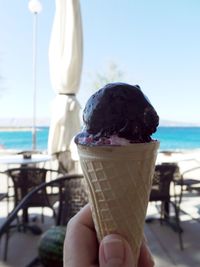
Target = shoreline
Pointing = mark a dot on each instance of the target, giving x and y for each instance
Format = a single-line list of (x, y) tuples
[(166, 152), (15, 129), (20, 128), (13, 151)]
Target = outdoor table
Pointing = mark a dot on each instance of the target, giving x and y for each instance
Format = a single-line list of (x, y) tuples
[(20, 160)]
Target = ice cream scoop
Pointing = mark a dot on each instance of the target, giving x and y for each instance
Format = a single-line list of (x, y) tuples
[(119, 109)]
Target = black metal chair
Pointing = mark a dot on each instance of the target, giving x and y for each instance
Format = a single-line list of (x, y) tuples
[(65, 162), (165, 176), (187, 181), (74, 197), (25, 179), (71, 197), (3, 195)]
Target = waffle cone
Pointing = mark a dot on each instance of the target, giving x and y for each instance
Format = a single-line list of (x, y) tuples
[(119, 182)]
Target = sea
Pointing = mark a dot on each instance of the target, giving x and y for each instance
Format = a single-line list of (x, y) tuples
[(171, 138)]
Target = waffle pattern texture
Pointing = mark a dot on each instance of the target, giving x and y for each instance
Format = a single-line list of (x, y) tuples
[(119, 182)]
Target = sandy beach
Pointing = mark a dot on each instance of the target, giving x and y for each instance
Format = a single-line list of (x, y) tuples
[(15, 129)]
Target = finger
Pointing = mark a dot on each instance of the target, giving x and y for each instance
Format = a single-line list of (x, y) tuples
[(115, 251), (84, 217), (81, 246), (145, 259)]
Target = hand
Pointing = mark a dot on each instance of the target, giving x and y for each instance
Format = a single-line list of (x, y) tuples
[(81, 247)]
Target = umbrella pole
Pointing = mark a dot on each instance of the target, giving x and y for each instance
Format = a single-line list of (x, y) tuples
[(35, 7), (34, 80)]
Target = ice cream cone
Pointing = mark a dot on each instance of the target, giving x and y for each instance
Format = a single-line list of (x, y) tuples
[(119, 181)]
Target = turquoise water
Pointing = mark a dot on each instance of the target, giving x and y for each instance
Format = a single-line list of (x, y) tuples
[(178, 138), (23, 139), (171, 138)]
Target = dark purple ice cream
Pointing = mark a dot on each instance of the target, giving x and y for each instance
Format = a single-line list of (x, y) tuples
[(118, 110)]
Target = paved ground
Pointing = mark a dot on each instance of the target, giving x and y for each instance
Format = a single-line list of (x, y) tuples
[(162, 239), (165, 247)]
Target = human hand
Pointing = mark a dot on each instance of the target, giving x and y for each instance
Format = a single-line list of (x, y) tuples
[(81, 247)]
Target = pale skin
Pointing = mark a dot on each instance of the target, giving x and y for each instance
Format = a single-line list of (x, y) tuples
[(81, 248)]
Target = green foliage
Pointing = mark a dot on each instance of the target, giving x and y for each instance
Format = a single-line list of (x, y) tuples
[(111, 74)]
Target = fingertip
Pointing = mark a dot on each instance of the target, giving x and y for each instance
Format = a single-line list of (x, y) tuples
[(115, 251), (112, 250), (83, 217)]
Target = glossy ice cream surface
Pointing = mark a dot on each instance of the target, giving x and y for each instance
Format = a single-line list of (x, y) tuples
[(118, 114)]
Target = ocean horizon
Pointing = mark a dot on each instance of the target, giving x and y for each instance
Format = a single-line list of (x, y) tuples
[(171, 138)]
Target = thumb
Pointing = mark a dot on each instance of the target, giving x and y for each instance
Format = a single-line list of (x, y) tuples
[(114, 251)]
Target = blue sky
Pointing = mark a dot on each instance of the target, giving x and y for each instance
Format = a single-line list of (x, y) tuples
[(156, 44)]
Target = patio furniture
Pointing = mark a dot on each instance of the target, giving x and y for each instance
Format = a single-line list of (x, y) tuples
[(3, 194), (74, 197), (26, 179), (69, 202), (164, 176), (65, 162), (20, 160), (29, 152), (187, 180)]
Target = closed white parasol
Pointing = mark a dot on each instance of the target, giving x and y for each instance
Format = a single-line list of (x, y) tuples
[(65, 61)]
